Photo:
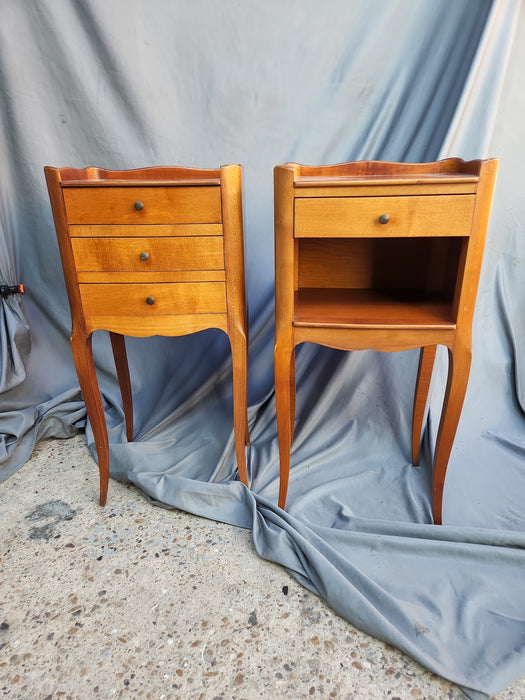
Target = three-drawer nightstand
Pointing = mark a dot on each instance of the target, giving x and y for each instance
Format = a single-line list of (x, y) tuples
[(153, 251), (384, 256)]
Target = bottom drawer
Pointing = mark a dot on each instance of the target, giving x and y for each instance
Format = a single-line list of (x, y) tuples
[(153, 299)]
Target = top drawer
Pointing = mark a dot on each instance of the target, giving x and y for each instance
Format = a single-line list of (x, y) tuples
[(143, 205), (361, 217)]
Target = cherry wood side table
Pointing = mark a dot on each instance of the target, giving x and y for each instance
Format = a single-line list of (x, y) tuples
[(153, 251), (384, 256)]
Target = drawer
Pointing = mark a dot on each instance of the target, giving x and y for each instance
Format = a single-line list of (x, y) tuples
[(160, 205), (130, 299), (148, 254), (358, 217)]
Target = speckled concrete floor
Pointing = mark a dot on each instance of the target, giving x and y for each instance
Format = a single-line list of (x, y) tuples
[(132, 600)]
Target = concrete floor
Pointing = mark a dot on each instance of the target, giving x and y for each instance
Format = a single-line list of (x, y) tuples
[(132, 600)]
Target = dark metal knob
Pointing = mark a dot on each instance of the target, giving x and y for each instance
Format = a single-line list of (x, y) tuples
[(144, 256), (384, 219), (150, 301), (139, 206)]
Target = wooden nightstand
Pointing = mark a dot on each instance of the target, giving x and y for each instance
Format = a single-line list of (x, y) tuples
[(384, 256), (154, 251)]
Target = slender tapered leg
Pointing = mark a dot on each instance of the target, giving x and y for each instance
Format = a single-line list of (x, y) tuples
[(459, 360), (118, 345), (424, 375), (247, 345), (292, 395), (240, 398), (284, 403), (83, 356)]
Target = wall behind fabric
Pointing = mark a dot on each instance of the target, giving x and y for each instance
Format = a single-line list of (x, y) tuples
[(119, 85)]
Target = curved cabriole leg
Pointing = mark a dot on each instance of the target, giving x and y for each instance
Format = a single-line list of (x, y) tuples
[(424, 375), (284, 405), (87, 378), (459, 361), (239, 347), (118, 345)]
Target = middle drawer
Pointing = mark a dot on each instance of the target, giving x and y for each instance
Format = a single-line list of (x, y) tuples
[(148, 254)]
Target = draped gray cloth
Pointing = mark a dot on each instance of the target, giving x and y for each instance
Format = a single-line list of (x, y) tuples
[(125, 84)]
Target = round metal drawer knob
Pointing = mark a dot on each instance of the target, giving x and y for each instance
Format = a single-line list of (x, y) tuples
[(150, 301), (144, 256), (384, 219), (139, 206)]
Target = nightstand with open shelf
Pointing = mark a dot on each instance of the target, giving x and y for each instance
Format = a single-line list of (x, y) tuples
[(384, 256)]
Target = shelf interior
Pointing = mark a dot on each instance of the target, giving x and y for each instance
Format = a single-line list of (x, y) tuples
[(389, 283), (366, 308)]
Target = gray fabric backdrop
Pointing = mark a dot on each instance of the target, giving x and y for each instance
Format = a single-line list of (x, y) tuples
[(127, 83)]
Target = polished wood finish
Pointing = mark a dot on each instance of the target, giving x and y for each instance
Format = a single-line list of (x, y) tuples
[(384, 256), (152, 251), (349, 217), (118, 346), (161, 205), (427, 356), (148, 254)]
